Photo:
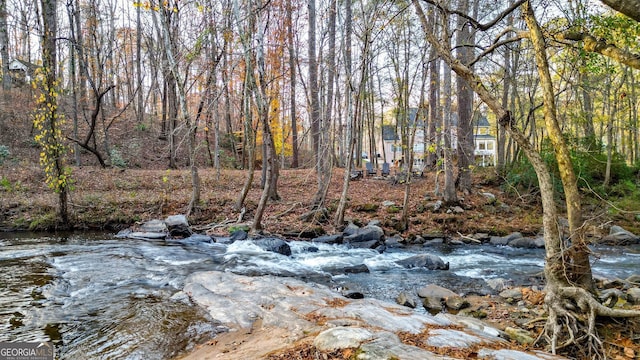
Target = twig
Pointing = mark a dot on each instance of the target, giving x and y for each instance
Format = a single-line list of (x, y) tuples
[(277, 216), (469, 238)]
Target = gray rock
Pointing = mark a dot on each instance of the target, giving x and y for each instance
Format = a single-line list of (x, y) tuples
[(434, 242), (521, 336), (350, 229), (147, 235), (513, 294), (619, 237), (499, 240), (176, 220), (489, 196), (356, 269), (274, 245), (433, 304), (374, 222), (406, 300), (371, 244), (393, 242), (527, 243), (457, 210), (155, 225), (456, 242), (435, 207), (238, 235), (388, 203), (633, 295), (497, 284), (341, 338), (329, 239), (226, 240), (456, 303), (431, 262), (367, 233), (433, 290), (482, 237)]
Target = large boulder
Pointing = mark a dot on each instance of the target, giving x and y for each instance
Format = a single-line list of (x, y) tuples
[(365, 234), (436, 298), (274, 245), (528, 243), (153, 226), (620, 237), (329, 239), (431, 262), (178, 226), (504, 240)]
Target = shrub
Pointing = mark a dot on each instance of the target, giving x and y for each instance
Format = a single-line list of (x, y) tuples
[(4, 153), (116, 159)]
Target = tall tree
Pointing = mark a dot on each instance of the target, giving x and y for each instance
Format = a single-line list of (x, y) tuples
[(4, 46), (48, 120), (572, 308), (465, 151), (292, 84)]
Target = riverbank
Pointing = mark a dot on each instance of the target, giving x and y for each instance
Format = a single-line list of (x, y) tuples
[(112, 199)]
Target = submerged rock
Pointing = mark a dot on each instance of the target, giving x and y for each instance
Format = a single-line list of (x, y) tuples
[(274, 245), (431, 262)]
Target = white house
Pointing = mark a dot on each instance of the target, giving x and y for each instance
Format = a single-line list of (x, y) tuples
[(22, 71), (485, 143)]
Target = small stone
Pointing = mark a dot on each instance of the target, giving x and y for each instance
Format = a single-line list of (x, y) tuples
[(521, 336)]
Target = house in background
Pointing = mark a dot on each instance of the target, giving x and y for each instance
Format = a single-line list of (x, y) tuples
[(21, 71), (485, 143)]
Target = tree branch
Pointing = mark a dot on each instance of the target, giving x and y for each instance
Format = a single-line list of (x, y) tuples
[(631, 8), (594, 45), (475, 23)]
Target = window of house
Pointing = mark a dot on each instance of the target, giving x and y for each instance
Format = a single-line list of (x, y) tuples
[(481, 145), (490, 145)]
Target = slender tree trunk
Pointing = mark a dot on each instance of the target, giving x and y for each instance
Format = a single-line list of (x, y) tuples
[(450, 196), (292, 83), (139, 89), (350, 135), (4, 46)]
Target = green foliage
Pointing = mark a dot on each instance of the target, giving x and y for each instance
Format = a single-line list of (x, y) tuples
[(234, 228), (5, 184), (589, 166), (4, 153), (141, 127), (116, 159)]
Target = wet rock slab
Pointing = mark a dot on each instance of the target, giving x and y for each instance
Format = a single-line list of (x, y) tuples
[(332, 322)]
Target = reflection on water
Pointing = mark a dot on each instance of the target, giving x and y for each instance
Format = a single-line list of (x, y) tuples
[(95, 296)]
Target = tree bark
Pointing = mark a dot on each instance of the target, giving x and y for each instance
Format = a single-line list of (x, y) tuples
[(577, 258), (4, 46)]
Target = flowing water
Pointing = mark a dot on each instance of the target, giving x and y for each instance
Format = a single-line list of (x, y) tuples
[(96, 296)]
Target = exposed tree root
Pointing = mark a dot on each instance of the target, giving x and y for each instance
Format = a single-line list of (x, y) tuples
[(572, 321)]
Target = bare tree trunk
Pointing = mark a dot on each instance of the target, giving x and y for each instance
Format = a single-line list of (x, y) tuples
[(292, 84), (465, 149), (350, 136), (140, 101), (449, 194), (4, 46)]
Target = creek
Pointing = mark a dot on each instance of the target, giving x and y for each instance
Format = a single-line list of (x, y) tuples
[(96, 296)]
